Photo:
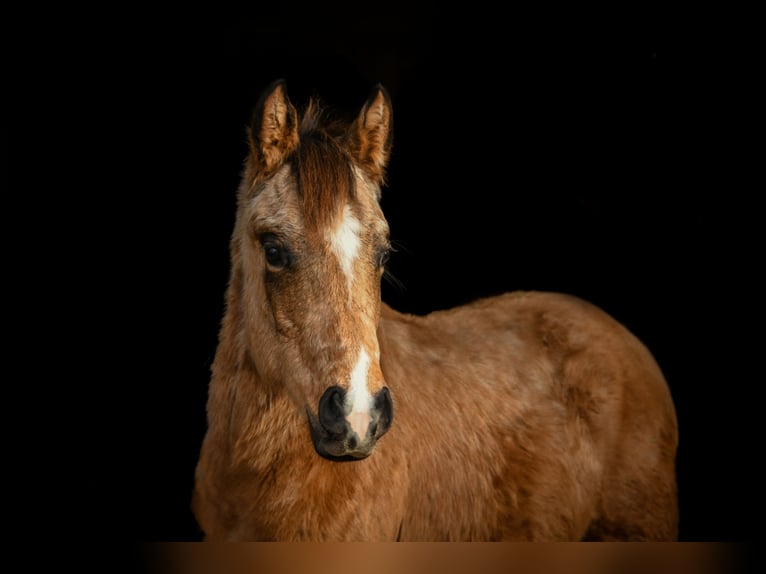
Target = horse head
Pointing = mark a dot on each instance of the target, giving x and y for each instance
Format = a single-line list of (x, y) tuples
[(312, 243)]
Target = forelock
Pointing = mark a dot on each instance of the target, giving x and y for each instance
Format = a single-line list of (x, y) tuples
[(322, 168)]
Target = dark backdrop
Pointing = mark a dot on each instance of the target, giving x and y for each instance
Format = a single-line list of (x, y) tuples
[(571, 152)]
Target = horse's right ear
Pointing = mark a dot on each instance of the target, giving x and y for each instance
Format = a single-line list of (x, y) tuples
[(273, 131), (372, 133)]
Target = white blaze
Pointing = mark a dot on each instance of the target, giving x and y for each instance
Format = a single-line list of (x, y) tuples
[(345, 243), (359, 396)]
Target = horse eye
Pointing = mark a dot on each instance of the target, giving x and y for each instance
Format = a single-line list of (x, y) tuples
[(276, 255), (384, 256)]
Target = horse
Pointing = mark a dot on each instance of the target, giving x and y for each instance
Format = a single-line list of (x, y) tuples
[(522, 416)]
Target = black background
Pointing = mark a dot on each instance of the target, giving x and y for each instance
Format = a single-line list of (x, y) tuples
[(574, 152)]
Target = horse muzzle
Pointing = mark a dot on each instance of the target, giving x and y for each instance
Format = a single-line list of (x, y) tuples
[(339, 434)]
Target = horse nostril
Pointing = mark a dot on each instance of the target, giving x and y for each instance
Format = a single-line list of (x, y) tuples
[(331, 414), (384, 408)]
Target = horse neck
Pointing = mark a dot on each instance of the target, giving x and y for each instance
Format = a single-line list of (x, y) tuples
[(238, 393)]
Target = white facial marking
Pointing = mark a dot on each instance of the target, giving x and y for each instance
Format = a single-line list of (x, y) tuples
[(359, 397), (345, 243)]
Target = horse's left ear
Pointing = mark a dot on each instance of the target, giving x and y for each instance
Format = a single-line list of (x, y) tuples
[(372, 134)]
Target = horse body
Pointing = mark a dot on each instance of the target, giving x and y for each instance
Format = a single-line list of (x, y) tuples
[(525, 416), (563, 426)]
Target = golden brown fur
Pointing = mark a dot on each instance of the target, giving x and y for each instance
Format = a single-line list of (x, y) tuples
[(527, 416)]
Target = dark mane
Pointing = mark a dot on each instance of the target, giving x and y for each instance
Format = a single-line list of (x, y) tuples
[(322, 166)]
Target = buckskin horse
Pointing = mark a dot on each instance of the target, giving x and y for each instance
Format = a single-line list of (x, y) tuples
[(332, 417)]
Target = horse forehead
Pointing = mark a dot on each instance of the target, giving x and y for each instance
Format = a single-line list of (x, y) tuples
[(279, 202), (359, 212), (344, 237), (360, 216)]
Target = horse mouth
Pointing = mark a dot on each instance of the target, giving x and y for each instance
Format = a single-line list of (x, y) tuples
[(337, 447), (345, 446)]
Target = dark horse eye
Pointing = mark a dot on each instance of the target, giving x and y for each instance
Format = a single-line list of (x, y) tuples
[(384, 256), (276, 254)]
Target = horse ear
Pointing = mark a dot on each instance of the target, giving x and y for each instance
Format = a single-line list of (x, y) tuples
[(372, 133), (273, 131)]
